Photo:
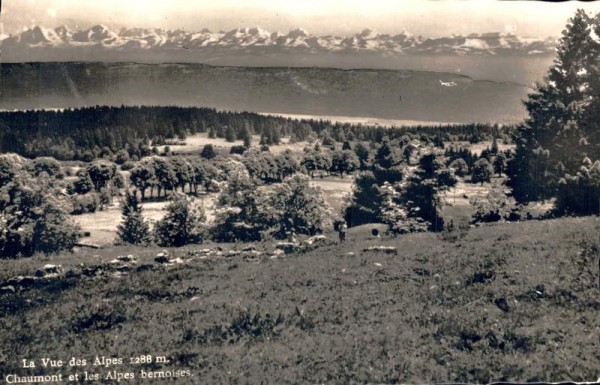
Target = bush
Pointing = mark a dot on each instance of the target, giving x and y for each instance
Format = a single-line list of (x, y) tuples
[(495, 207), (82, 185), (208, 152), (127, 166), (237, 149), (482, 171), (182, 225), (122, 157), (460, 167), (86, 203), (53, 231)]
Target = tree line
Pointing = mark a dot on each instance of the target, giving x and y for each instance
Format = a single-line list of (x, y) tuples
[(93, 132)]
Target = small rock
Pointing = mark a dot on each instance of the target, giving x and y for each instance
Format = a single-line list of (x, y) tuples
[(7, 290), (22, 281), (176, 261), (315, 239), (287, 247), (161, 258), (127, 258), (145, 267), (383, 249), (502, 304), (350, 254), (378, 264)]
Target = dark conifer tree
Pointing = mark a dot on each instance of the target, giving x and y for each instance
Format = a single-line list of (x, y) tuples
[(133, 230)]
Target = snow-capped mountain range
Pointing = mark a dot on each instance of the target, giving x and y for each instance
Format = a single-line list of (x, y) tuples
[(101, 38)]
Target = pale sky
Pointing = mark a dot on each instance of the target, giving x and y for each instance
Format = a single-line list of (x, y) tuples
[(339, 17)]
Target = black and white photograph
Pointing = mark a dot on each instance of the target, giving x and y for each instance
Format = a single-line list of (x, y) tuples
[(299, 192)]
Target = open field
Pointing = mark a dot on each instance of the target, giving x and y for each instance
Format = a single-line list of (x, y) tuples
[(369, 121), (195, 143), (502, 302), (102, 225)]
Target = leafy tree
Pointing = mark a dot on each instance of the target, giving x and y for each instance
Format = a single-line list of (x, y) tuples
[(82, 185), (53, 231), (184, 172), (300, 208), (166, 177), (396, 215), (239, 215), (183, 224), (460, 167), (133, 229), (285, 165), (344, 161), (143, 177), (101, 173), (121, 157), (48, 165), (33, 220), (482, 171)]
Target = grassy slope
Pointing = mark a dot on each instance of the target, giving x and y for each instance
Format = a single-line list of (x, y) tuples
[(344, 319)]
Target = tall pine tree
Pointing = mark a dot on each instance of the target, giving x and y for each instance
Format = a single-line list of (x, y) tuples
[(553, 139), (133, 230)]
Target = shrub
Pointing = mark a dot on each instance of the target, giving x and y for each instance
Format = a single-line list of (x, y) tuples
[(460, 167), (208, 152), (122, 157), (53, 231), (82, 185), (482, 171), (48, 165), (86, 203), (183, 224), (127, 166), (237, 149)]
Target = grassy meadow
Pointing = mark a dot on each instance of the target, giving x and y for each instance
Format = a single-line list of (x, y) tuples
[(500, 302)]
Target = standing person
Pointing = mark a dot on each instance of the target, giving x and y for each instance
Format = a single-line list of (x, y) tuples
[(342, 231)]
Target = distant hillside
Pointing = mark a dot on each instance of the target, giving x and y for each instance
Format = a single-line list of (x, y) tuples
[(386, 94)]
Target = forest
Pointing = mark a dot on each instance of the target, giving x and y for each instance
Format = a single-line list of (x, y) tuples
[(88, 133)]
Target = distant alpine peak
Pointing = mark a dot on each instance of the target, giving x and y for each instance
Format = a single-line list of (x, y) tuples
[(369, 39)]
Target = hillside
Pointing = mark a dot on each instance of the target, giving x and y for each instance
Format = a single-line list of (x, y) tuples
[(386, 94), (507, 302)]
